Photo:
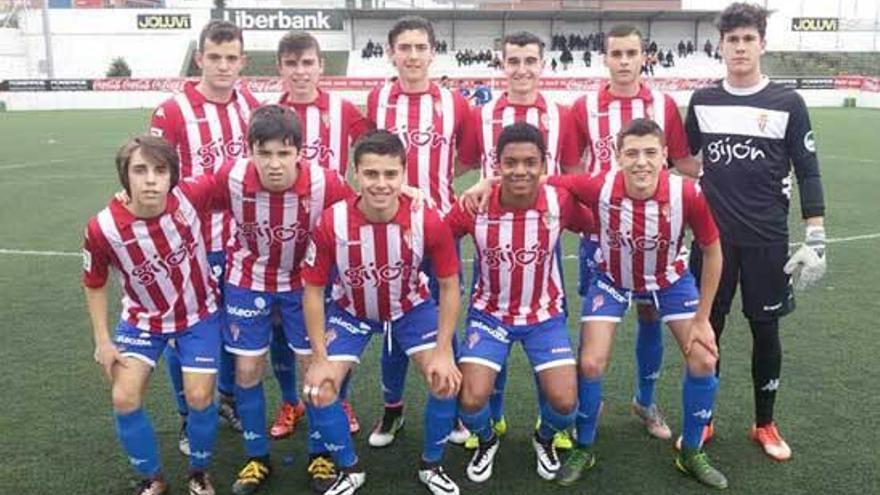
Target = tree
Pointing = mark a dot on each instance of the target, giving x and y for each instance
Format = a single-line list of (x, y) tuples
[(119, 68)]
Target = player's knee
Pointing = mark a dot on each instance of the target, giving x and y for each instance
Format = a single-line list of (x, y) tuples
[(249, 372), (563, 403), (701, 362), (199, 397), (124, 399), (592, 367), (472, 398)]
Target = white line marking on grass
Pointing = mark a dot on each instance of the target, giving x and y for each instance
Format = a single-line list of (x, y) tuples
[(851, 159), (26, 252)]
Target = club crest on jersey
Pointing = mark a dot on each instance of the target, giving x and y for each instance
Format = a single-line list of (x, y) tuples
[(664, 210), (598, 302), (325, 119), (235, 330), (179, 218), (762, 122), (472, 339), (551, 220), (545, 121)]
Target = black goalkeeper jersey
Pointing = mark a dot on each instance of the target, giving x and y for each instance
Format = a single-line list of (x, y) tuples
[(750, 144)]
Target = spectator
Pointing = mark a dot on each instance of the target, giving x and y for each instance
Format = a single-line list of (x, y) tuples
[(670, 59), (553, 64), (588, 58), (708, 48)]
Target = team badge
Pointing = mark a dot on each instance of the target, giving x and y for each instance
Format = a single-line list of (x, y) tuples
[(408, 239), (762, 122), (664, 210), (179, 218), (472, 339), (325, 120), (550, 220), (438, 108), (649, 112), (545, 121), (235, 330), (598, 301), (259, 302), (329, 337)]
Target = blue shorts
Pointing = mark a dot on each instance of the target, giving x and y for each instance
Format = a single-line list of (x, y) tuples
[(347, 336), (487, 342), (605, 302), (249, 314), (198, 346), (588, 263)]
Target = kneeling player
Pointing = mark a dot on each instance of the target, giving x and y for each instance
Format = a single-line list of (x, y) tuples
[(154, 243), (518, 296), (377, 242)]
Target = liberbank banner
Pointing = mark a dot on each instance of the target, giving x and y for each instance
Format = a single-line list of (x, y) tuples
[(281, 19)]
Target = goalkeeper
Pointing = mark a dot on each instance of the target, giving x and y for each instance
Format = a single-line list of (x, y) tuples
[(752, 133)]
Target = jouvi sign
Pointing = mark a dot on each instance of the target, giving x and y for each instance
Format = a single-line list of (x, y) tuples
[(281, 19), (163, 21), (820, 24)]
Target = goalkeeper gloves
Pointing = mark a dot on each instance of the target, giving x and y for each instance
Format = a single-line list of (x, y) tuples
[(807, 265)]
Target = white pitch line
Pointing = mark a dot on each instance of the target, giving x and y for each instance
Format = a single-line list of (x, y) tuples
[(25, 252)]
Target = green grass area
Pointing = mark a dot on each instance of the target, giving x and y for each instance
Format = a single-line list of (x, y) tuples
[(56, 428)]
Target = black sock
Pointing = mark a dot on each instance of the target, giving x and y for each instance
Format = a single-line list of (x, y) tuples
[(717, 320), (766, 367)]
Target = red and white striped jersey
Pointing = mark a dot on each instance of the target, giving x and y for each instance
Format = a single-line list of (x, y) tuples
[(378, 263), (518, 279), (206, 135), (431, 125), (330, 124), (161, 262), (642, 241), (273, 229), (553, 120), (599, 116)]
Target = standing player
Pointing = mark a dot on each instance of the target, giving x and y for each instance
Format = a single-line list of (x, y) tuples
[(523, 62), (330, 124), (430, 121), (599, 116), (377, 243), (752, 132), (275, 201), (206, 123), (154, 242), (519, 296)]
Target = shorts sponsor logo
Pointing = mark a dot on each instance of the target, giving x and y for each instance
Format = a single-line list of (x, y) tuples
[(349, 326), (133, 341), (498, 333), (245, 312), (560, 350), (200, 359), (611, 291), (691, 303)]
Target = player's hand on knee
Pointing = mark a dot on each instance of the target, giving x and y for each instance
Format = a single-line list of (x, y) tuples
[(807, 265), (318, 385), (700, 333), (107, 355), (443, 376)]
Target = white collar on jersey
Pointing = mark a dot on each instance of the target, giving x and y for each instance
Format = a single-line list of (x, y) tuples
[(746, 91)]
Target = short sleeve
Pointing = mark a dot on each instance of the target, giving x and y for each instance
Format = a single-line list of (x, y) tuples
[(95, 257), (439, 245), (459, 221), (470, 146), (320, 254), (676, 138), (570, 151), (337, 189), (698, 215), (165, 121), (357, 123)]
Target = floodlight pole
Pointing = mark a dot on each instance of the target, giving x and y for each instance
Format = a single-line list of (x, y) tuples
[(47, 41)]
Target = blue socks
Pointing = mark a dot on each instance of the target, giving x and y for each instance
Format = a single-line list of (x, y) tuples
[(226, 375), (698, 399), (553, 421), (314, 445), (477, 422), (394, 366), (175, 373), (283, 365), (440, 415), (331, 423), (649, 358), (589, 400), (201, 429), (135, 433), (251, 404), (496, 400)]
